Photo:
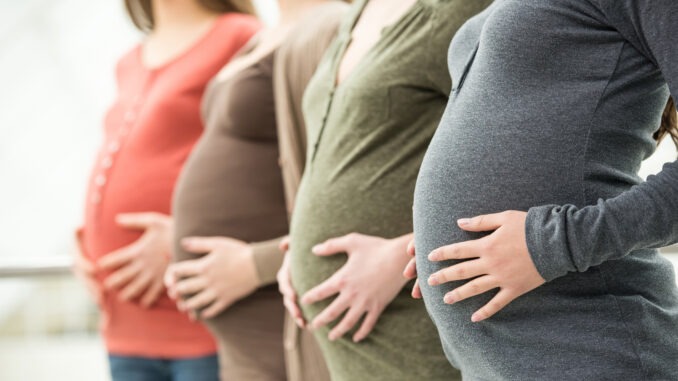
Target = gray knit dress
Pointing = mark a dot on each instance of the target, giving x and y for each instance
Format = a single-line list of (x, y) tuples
[(553, 109)]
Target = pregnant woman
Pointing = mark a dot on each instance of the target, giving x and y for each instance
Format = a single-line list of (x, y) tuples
[(535, 238), (371, 110), (149, 132), (230, 212)]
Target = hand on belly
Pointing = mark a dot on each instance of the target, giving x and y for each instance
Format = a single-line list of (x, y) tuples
[(499, 260), (362, 290), (138, 268), (212, 283)]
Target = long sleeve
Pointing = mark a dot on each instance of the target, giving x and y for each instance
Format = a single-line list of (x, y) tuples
[(565, 238), (267, 259)]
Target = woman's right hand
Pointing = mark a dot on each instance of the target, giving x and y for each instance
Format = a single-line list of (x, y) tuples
[(85, 271), (286, 288), (411, 270)]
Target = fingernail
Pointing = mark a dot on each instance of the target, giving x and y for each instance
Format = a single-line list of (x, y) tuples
[(300, 323), (433, 256), (317, 248), (433, 280), (476, 318), (449, 299), (186, 242), (463, 221)]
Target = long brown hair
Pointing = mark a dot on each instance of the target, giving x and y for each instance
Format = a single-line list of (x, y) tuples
[(141, 11), (669, 126)]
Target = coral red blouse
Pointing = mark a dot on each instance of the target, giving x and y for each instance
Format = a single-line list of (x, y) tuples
[(149, 132)]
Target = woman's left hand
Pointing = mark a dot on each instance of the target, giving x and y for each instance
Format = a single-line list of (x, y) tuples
[(215, 281), (366, 284), (499, 260)]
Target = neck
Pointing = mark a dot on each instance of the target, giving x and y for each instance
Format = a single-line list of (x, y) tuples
[(173, 13), (292, 10)]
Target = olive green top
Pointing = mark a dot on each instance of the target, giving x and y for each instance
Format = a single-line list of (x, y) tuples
[(367, 137)]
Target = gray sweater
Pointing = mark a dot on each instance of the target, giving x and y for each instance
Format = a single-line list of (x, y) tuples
[(552, 111)]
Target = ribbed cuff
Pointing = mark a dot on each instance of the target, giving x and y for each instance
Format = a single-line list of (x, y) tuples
[(544, 242), (267, 259)]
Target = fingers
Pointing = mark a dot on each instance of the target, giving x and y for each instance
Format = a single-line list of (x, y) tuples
[(86, 271), (122, 276), (324, 290), (495, 305), (460, 271), (136, 286), (416, 290), (368, 324), (215, 309), (190, 286), (187, 269), (474, 287), (410, 271), (83, 265), (294, 310), (201, 300), (335, 245), (284, 245), (351, 318), (332, 312), (289, 294), (118, 257), (140, 221), (92, 287), (410, 248), (152, 293), (170, 279), (461, 250), (201, 245), (483, 223)]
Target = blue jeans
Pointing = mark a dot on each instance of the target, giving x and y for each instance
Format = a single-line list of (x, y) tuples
[(125, 368)]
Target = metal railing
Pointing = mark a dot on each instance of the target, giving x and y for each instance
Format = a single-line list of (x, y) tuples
[(35, 266)]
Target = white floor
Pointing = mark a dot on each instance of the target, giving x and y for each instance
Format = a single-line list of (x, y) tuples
[(76, 358)]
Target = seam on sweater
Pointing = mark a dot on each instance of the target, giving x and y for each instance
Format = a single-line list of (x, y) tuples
[(587, 142), (626, 326), (585, 198)]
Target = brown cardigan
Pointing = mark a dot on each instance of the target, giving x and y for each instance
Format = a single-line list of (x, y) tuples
[(295, 64)]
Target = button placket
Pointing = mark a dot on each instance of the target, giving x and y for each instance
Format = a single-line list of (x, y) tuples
[(316, 144), (113, 147)]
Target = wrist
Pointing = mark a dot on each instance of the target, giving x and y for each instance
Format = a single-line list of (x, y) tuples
[(398, 251)]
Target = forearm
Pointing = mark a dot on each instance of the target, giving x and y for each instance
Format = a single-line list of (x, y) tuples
[(565, 238), (267, 258)]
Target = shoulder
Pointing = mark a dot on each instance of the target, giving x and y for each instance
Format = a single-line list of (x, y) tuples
[(237, 26), (129, 61), (331, 11), (318, 27), (455, 12)]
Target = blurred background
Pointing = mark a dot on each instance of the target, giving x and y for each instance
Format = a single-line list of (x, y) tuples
[(56, 74)]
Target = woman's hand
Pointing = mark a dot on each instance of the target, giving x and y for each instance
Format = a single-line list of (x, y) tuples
[(85, 270), (366, 284), (139, 267), (285, 286), (411, 270), (499, 260), (217, 280)]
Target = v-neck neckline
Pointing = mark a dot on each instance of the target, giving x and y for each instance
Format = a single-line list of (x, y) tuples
[(349, 39)]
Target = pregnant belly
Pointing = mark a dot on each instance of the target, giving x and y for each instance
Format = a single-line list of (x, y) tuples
[(232, 189), (323, 212)]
